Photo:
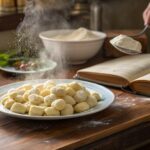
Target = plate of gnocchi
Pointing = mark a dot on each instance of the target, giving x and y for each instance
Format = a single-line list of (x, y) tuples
[(53, 99)]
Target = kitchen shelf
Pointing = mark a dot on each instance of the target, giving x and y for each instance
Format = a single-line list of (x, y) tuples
[(10, 21)]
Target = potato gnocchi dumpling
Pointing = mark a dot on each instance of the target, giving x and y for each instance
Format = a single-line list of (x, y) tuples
[(36, 111), (18, 108), (75, 85), (81, 96), (9, 103), (92, 101), (51, 111), (19, 99), (45, 92), (69, 100), (80, 107), (12, 94), (40, 87), (68, 110), (70, 91), (50, 99), (35, 99), (59, 104), (58, 91), (98, 96)]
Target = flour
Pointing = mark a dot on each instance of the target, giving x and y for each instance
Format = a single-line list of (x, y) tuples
[(93, 124), (125, 102), (126, 42), (80, 34)]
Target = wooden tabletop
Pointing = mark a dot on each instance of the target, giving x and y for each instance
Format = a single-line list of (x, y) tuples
[(124, 124)]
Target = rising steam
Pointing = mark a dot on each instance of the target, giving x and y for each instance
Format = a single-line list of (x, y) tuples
[(42, 15)]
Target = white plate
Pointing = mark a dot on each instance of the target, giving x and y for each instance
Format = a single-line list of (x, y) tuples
[(108, 98), (51, 65)]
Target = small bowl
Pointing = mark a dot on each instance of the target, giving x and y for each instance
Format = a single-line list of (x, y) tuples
[(74, 52)]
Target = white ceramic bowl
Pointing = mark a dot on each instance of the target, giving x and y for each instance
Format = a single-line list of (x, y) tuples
[(75, 52)]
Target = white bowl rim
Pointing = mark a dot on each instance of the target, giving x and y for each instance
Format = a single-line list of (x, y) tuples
[(43, 36)]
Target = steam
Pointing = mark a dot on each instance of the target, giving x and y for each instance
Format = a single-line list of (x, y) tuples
[(42, 15)]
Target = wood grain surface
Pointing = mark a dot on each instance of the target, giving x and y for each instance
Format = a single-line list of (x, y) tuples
[(127, 111)]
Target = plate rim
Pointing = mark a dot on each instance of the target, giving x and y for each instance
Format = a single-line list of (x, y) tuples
[(54, 65), (7, 112)]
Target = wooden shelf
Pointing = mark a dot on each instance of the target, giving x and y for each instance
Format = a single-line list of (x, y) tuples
[(11, 21)]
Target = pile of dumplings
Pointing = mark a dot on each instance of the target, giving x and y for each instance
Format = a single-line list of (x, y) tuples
[(50, 99)]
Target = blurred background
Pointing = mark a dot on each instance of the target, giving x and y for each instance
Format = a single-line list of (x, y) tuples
[(94, 14)]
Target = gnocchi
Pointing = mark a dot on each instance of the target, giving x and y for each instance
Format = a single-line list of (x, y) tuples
[(70, 91), (92, 101), (80, 107), (58, 91), (50, 99), (51, 111), (45, 92), (9, 103), (12, 94), (97, 96), (19, 99), (69, 100), (18, 108), (36, 111), (35, 99), (81, 96), (75, 85), (68, 110), (59, 104)]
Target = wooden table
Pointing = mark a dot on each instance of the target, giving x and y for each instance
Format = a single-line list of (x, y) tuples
[(125, 124)]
